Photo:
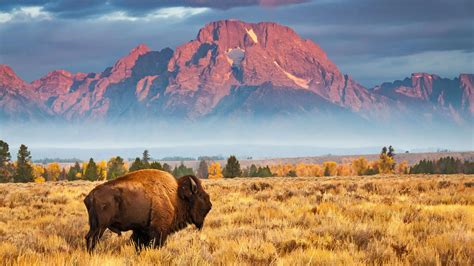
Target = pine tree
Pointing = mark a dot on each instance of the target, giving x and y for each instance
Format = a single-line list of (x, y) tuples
[(156, 165), (24, 170), (391, 152), (91, 172), (166, 168), (5, 156), (384, 150), (264, 172), (232, 169), (74, 172), (253, 170), (182, 170), (202, 169), (136, 165), (6, 168), (146, 159)]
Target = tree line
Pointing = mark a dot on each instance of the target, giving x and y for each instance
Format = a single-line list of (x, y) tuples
[(445, 165), (24, 170)]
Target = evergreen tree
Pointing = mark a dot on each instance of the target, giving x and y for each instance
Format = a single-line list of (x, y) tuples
[(232, 169), (391, 152), (182, 170), (468, 167), (253, 171), (202, 171), (156, 165), (24, 170), (74, 172), (264, 172), (6, 168), (115, 167), (167, 168), (146, 159), (136, 165), (445, 165), (5, 156), (91, 172)]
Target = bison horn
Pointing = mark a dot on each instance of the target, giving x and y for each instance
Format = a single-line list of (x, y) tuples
[(193, 184)]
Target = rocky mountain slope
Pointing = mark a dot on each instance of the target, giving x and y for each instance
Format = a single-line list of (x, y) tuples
[(231, 69)]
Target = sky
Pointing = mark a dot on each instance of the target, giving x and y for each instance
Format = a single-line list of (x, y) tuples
[(372, 40)]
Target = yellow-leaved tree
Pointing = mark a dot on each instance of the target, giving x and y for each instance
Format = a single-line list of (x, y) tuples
[(360, 166), (282, 169), (215, 171), (102, 170), (38, 173), (385, 164), (302, 169), (53, 170)]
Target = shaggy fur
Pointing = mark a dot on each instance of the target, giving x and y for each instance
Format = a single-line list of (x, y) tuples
[(152, 203)]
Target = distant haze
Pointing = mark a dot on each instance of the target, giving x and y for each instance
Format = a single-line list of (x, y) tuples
[(263, 140)]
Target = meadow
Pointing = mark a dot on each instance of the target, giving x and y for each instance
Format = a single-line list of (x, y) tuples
[(389, 219)]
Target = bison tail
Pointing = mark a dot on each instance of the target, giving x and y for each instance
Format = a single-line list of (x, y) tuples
[(91, 237), (93, 219)]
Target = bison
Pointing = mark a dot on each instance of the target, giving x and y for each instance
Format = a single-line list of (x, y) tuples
[(152, 203)]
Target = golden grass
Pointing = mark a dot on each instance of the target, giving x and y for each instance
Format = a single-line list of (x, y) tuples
[(426, 220)]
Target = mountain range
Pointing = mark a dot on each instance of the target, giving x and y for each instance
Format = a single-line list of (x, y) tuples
[(232, 69)]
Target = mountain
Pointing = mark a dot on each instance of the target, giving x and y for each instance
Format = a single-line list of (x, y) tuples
[(433, 95), (232, 69), (18, 100)]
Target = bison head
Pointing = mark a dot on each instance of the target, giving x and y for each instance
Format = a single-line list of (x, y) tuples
[(191, 190)]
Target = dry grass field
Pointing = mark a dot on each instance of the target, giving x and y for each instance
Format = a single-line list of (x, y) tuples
[(422, 220)]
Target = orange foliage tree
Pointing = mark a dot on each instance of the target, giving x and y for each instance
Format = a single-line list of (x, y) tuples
[(215, 171)]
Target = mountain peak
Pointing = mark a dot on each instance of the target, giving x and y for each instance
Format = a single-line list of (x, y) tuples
[(239, 33), (59, 72), (140, 49), (423, 75), (8, 77), (123, 67), (6, 70)]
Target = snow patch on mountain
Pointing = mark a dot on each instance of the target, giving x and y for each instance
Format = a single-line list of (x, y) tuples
[(252, 35), (298, 81)]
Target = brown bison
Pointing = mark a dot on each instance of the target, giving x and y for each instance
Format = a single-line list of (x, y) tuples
[(152, 203)]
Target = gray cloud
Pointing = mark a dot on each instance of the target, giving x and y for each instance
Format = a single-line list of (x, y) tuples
[(366, 38), (90, 8)]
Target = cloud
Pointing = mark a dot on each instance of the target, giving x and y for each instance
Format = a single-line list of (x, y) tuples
[(129, 8), (25, 14), (169, 13)]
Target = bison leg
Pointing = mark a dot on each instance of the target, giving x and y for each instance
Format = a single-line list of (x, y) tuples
[(159, 238), (140, 239), (89, 237), (93, 237)]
